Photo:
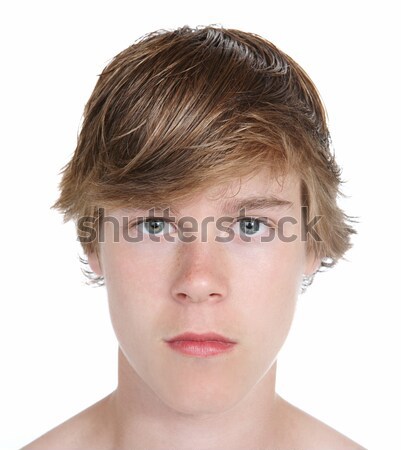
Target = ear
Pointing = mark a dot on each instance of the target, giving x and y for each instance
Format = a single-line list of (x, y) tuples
[(94, 263), (312, 264)]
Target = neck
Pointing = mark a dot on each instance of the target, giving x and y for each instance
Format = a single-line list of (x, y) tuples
[(141, 419)]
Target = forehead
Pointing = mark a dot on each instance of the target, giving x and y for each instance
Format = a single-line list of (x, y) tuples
[(256, 191), (260, 183)]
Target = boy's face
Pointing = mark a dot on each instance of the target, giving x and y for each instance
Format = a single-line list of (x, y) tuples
[(246, 291)]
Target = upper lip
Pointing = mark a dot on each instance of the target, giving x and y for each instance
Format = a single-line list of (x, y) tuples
[(209, 336)]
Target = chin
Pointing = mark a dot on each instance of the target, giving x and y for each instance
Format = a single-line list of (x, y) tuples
[(201, 399)]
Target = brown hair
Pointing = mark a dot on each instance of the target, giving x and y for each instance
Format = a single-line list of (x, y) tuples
[(181, 110)]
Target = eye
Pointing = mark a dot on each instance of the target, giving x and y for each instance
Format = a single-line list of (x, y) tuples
[(153, 225), (250, 226)]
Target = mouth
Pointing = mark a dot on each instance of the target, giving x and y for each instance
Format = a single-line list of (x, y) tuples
[(202, 337), (201, 345)]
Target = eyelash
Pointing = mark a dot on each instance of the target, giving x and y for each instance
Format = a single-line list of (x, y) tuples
[(265, 222)]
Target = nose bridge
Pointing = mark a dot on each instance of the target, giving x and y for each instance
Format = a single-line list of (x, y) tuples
[(201, 271)]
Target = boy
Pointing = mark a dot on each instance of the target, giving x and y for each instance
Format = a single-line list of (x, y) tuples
[(219, 129)]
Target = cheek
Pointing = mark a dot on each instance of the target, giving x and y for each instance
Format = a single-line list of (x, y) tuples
[(129, 269), (274, 268), (134, 283), (266, 320), (271, 288), (271, 293)]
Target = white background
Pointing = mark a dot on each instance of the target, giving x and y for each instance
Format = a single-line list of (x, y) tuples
[(341, 362)]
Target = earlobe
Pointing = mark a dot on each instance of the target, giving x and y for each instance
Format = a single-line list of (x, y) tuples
[(94, 263), (312, 265)]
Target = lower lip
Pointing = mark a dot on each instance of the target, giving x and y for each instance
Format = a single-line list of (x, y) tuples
[(202, 349)]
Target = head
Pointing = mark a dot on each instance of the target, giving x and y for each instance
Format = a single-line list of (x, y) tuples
[(191, 119)]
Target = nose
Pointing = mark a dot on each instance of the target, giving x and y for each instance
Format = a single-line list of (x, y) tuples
[(202, 273)]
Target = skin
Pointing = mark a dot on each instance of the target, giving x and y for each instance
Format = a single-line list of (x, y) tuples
[(246, 291)]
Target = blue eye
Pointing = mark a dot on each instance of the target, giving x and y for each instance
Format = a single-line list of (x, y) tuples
[(250, 225), (153, 225), (253, 226), (158, 226)]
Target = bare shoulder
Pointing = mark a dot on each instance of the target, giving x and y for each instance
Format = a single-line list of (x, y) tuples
[(86, 430), (305, 431)]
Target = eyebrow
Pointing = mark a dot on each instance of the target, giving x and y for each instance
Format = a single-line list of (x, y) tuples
[(231, 206)]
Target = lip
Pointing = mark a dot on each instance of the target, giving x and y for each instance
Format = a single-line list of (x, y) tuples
[(201, 345), (202, 337)]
